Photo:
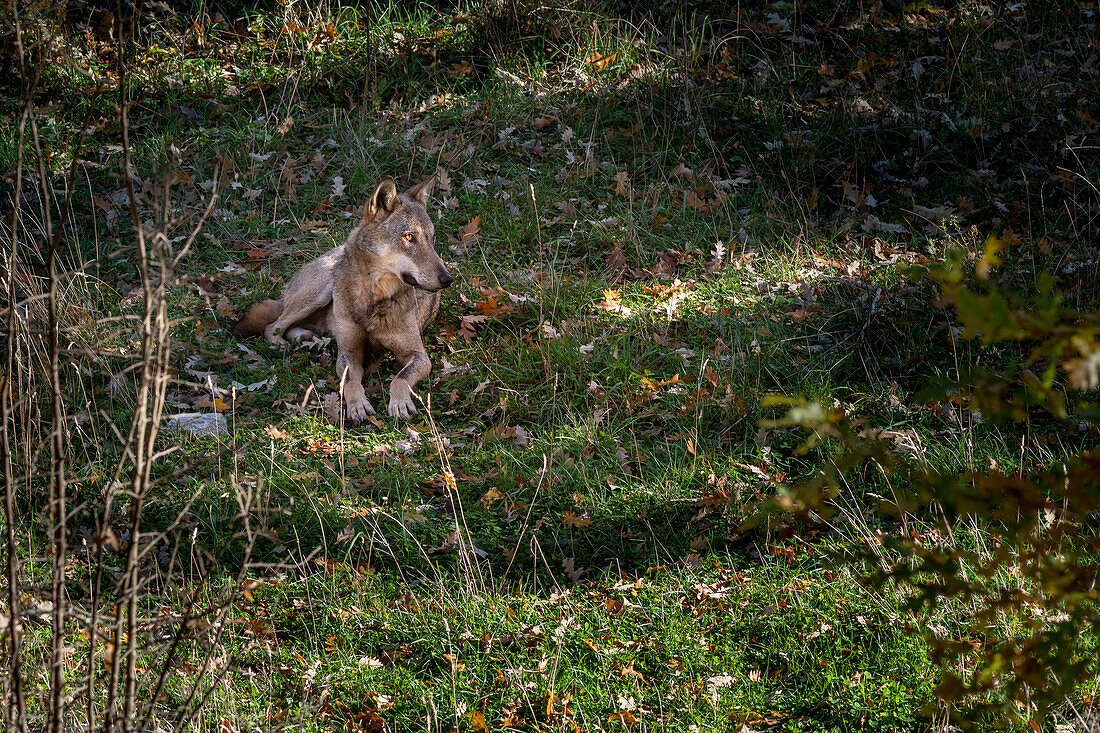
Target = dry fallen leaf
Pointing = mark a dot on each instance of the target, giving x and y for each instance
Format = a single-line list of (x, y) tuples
[(569, 565), (471, 230), (572, 520), (716, 683), (601, 62), (1084, 371), (274, 432), (321, 447), (616, 260), (622, 184), (468, 329), (491, 309), (218, 404), (461, 69), (611, 303), (705, 205), (682, 171), (625, 717), (333, 406)]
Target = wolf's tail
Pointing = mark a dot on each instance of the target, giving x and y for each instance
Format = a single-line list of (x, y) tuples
[(259, 317)]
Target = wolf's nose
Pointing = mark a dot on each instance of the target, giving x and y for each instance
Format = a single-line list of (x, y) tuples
[(445, 279)]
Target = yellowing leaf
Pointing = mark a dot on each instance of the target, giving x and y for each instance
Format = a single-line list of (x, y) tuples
[(489, 497), (477, 722), (989, 259), (625, 717), (601, 62), (612, 304), (218, 404)]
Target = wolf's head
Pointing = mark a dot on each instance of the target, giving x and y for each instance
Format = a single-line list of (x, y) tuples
[(400, 236)]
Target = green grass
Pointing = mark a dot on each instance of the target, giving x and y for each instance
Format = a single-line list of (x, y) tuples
[(603, 428)]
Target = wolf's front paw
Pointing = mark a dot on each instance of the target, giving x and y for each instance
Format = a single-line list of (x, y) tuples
[(275, 337), (360, 411), (403, 408), (401, 402)]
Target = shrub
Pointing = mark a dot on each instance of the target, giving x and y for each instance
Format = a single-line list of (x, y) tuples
[(1012, 558)]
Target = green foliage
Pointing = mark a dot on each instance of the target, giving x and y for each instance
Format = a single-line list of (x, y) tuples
[(1015, 555)]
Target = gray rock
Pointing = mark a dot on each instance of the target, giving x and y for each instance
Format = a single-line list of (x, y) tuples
[(198, 423)]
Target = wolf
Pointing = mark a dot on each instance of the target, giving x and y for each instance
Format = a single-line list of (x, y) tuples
[(376, 292)]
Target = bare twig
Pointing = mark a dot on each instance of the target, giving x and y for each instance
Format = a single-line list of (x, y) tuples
[(16, 713)]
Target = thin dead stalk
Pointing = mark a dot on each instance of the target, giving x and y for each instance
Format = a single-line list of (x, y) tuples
[(39, 316), (154, 251), (58, 501), (16, 713)]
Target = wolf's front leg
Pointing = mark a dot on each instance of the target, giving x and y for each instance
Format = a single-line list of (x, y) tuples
[(417, 366), (349, 370)]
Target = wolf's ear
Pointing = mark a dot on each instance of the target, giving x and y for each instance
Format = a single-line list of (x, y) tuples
[(423, 190), (382, 202)]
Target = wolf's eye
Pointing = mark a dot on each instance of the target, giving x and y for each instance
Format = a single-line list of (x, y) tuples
[(409, 237)]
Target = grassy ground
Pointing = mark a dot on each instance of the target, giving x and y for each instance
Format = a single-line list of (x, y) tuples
[(652, 224)]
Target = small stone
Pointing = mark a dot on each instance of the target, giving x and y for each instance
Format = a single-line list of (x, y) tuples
[(198, 424)]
